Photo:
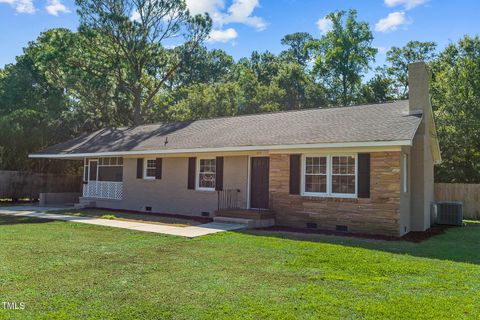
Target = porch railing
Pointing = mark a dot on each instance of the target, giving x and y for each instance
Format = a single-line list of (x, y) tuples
[(103, 190), (228, 199)]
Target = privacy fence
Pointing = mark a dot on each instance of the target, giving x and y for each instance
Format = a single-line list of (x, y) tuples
[(469, 194), (18, 184)]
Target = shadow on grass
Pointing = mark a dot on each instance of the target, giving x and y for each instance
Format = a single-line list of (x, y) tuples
[(11, 220), (459, 244)]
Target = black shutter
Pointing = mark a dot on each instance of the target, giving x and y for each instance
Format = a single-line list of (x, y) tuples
[(139, 168), (295, 173), (363, 175), (158, 168), (219, 174), (191, 172)]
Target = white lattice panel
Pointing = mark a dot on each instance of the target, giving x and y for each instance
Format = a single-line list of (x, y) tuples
[(103, 190)]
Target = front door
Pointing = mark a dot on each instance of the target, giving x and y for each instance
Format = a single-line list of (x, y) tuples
[(259, 168)]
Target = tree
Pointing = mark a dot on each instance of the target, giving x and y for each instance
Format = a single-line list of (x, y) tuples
[(377, 89), (300, 90), (204, 66), (456, 102), (298, 49), (205, 101), (343, 56), (265, 66), (400, 57), (32, 116), (134, 35), (89, 84)]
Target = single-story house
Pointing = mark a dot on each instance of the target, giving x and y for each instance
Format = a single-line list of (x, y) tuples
[(366, 169)]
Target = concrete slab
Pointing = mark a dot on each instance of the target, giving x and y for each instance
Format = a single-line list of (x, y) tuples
[(190, 231)]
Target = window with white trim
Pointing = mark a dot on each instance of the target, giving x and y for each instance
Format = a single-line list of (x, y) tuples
[(316, 174), (206, 174), (343, 174), (327, 175), (149, 168)]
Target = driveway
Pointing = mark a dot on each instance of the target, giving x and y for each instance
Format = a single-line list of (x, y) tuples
[(190, 231)]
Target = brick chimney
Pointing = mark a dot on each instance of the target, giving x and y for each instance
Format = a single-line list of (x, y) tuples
[(419, 88)]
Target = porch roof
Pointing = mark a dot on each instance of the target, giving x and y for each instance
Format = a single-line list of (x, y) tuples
[(365, 125)]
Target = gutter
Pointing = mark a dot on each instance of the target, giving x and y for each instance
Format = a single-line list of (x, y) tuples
[(396, 143)]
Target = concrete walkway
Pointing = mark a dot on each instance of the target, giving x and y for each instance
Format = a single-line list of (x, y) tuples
[(190, 232)]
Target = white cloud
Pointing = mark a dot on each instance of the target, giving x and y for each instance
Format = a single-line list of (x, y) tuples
[(392, 22), (222, 35), (408, 4), (213, 7), (240, 11), (324, 25), (21, 6), (202, 6), (56, 6)]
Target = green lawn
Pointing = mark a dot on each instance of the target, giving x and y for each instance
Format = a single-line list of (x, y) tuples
[(64, 270)]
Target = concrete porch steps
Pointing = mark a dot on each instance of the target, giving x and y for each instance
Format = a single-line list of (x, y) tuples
[(85, 203), (246, 213), (248, 223), (250, 218)]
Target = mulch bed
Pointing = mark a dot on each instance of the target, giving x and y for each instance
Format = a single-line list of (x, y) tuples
[(414, 236), (419, 236)]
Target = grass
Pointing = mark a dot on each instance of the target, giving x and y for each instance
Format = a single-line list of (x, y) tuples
[(127, 216), (64, 270), (10, 202)]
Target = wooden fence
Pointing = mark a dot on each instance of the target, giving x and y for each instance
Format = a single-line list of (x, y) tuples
[(17, 184), (469, 194)]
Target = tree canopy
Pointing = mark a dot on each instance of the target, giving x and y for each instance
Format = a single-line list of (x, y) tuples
[(343, 56)]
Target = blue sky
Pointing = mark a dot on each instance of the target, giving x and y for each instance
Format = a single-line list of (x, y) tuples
[(241, 26)]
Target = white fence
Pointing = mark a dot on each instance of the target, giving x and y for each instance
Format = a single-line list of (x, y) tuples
[(103, 190)]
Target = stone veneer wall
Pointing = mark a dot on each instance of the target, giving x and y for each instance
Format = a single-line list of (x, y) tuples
[(379, 214)]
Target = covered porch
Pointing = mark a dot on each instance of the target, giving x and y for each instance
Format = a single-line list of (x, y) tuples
[(103, 178)]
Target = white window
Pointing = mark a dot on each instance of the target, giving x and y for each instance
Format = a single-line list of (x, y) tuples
[(405, 172), (206, 174), (149, 168), (343, 175), (316, 175), (327, 175)]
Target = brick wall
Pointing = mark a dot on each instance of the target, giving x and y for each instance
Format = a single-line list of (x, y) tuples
[(380, 214)]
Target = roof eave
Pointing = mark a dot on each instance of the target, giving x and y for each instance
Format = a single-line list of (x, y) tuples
[(395, 143)]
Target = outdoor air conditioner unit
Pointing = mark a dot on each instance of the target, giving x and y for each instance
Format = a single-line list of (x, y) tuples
[(448, 213)]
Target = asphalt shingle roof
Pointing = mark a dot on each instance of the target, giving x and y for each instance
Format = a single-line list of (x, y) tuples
[(365, 123)]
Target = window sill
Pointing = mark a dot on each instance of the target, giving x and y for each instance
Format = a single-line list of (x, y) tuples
[(329, 198), (205, 190), (332, 196)]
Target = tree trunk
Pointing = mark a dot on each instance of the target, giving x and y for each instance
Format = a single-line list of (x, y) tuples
[(344, 91), (137, 108)]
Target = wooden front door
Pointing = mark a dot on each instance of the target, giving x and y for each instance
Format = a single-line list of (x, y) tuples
[(259, 174)]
